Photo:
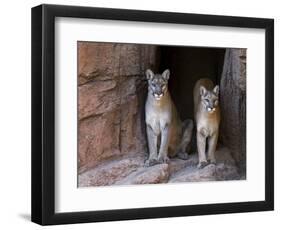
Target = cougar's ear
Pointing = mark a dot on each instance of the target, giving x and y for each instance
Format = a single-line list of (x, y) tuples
[(149, 74), (216, 90), (166, 74), (203, 90)]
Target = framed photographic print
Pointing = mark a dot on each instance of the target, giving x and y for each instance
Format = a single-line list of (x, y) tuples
[(142, 114)]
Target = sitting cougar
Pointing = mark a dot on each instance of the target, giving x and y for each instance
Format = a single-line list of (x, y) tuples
[(163, 123), (207, 117)]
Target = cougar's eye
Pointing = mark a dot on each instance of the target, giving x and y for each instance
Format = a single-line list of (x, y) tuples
[(207, 100)]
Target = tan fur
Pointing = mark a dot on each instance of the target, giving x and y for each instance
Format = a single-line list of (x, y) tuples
[(163, 122), (160, 114), (207, 124)]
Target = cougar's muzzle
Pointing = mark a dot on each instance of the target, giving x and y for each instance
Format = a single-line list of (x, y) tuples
[(158, 93), (211, 109)]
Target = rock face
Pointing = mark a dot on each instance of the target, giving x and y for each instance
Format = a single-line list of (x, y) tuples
[(130, 170), (152, 175), (110, 172), (225, 169), (112, 90), (233, 105)]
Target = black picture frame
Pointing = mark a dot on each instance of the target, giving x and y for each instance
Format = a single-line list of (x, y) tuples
[(43, 114)]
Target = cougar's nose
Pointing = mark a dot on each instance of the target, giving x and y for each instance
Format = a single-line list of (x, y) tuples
[(211, 109), (158, 95), (158, 91)]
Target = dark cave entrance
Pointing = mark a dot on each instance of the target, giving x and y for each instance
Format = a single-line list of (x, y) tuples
[(187, 65)]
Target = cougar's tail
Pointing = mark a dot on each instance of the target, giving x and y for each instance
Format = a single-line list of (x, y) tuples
[(187, 127)]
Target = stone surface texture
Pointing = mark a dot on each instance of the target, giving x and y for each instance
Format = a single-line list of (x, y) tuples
[(130, 170), (233, 105), (111, 93)]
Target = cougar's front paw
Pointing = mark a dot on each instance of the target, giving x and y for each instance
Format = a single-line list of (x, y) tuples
[(202, 164), (212, 161), (163, 160), (150, 162)]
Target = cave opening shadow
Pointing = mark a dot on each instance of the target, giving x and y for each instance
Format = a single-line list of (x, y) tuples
[(187, 65)]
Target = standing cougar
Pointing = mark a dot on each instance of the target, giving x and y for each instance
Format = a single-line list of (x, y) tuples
[(163, 125), (207, 117)]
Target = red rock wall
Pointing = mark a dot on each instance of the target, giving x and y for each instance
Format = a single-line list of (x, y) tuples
[(111, 94)]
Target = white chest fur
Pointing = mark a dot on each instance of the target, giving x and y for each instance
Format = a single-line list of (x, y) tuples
[(157, 115), (207, 124)]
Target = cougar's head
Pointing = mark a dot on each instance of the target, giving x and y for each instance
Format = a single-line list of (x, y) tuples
[(210, 99), (157, 83)]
